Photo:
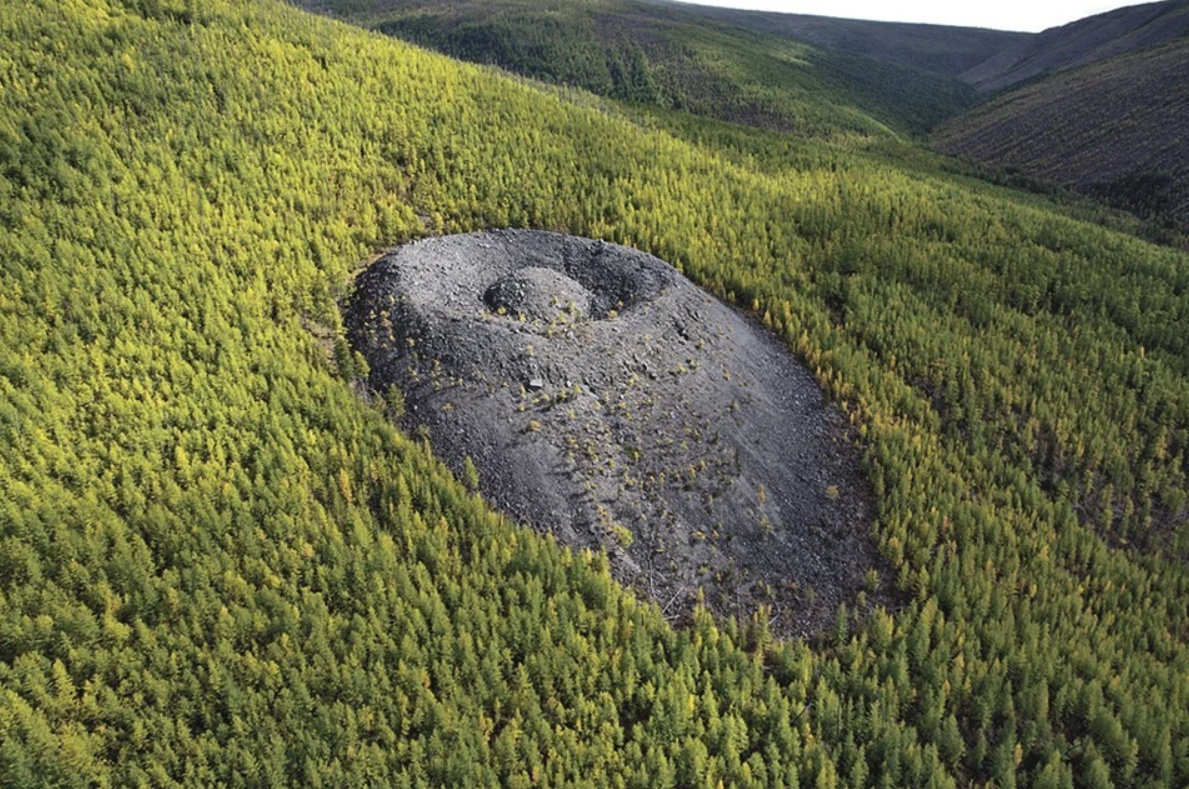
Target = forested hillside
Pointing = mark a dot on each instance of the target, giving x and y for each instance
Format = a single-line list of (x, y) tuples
[(669, 56), (221, 565), (1117, 130)]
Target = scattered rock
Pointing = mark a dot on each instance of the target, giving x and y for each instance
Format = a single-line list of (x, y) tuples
[(707, 459)]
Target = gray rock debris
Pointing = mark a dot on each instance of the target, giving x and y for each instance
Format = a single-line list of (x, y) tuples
[(605, 399)]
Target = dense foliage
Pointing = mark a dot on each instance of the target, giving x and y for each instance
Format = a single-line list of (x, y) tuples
[(221, 565), (660, 55)]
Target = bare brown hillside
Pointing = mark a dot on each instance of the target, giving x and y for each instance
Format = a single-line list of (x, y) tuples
[(1118, 130), (1081, 43)]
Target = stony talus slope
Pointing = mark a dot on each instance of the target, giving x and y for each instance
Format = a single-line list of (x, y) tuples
[(605, 399)]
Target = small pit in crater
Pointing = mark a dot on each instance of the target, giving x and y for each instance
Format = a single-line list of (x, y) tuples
[(537, 294), (606, 400)]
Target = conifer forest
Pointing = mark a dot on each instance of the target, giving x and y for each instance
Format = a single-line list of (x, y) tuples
[(223, 564)]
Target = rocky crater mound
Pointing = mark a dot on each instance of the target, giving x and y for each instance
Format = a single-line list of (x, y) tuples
[(605, 399)]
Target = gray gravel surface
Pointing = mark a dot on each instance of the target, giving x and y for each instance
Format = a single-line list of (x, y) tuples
[(605, 399)]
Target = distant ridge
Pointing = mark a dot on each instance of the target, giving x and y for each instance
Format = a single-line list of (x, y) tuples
[(1081, 43), (939, 48)]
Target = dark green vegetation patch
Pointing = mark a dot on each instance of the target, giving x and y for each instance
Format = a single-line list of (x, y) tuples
[(667, 56)]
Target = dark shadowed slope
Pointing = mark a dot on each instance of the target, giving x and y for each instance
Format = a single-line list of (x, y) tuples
[(1118, 130), (939, 48), (1081, 43), (663, 55)]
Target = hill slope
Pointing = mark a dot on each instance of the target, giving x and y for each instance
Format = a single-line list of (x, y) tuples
[(221, 565), (1081, 43), (667, 56), (938, 48), (1118, 130)]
